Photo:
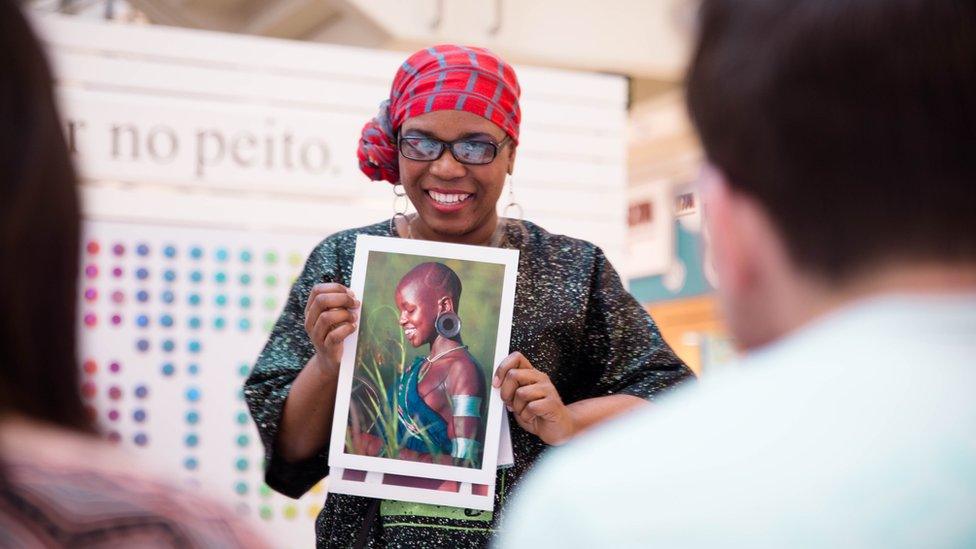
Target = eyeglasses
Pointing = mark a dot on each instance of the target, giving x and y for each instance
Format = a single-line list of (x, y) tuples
[(465, 151)]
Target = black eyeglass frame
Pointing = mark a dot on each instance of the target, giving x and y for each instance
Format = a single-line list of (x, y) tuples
[(449, 145)]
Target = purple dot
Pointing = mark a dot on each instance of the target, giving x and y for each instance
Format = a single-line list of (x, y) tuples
[(118, 249), (117, 272), (91, 294), (118, 296), (91, 271), (113, 415), (116, 320), (139, 415), (115, 367), (91, 320), (141, 439), (114, 393), (142, 391), (142, 345)]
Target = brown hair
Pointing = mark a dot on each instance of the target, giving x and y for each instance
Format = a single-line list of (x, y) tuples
[(853, 123)]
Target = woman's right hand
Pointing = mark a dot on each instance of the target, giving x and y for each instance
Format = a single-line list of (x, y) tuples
[(331, 314)]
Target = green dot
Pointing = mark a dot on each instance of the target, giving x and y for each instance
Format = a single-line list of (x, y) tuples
[(290, 512), (240, 488), (271, 280), (265, 491), (242, 418), (270, 303), (244, 370), (241, 464), (268, 325), (270, 257), (265, 512)]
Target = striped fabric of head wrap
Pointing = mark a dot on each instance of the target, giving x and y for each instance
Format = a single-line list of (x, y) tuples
[(445, 77)]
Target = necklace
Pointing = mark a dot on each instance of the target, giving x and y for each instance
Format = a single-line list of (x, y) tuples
[(430, 360), (498, 236)]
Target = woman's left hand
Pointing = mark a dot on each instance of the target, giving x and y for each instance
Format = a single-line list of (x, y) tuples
[(533, 400)]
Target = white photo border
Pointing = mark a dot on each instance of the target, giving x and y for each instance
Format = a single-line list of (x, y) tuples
[(372, 487), (338, 457)]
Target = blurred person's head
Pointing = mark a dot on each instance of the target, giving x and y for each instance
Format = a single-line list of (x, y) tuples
[(841, 143), (39, 233)]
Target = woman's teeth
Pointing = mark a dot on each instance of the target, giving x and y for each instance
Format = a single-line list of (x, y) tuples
[(454, 198), (409, 331)]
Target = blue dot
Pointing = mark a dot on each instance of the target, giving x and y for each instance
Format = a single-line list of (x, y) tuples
[(240, 487), (245, 302), (194, 346), (139, 416), (169, 251), (166, 321), (169, 275), (168, 296), (142, 296), (190, 463), (196, 252), (245, 256), (219, 323), (194, 369), (142, 249), (220, 300), (142, 391), (194, 299), (196, 276), (142, 273), (142, 321), (193, 417), (194, 322), (220, 277), (142, 345), (221, 254), (193, 395), (168, 369), (245, 279), (168, 345), (191, 440), (141, 439), (241, 464), (243, 440), (244, 324)]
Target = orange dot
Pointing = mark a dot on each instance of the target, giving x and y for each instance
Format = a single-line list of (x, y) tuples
[(90, 367)]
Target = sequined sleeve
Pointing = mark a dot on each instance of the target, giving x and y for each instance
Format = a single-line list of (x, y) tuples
[(287, 351), (624, 342)]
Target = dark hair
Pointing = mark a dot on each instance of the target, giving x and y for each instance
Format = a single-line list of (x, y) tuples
[(852, 122), (39, 232)]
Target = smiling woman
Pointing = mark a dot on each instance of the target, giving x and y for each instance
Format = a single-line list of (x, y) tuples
[(585, 350)]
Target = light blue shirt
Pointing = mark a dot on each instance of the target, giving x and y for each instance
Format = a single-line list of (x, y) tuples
[(856, 431)]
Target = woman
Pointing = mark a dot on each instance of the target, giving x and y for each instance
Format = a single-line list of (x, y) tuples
[(60, 486), (584, 348)]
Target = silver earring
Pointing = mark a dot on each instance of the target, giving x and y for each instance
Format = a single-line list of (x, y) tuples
[(448, 324), (512, 206), (400, 205)]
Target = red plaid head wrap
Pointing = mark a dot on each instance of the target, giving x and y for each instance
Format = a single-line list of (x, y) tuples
[(445, 77)]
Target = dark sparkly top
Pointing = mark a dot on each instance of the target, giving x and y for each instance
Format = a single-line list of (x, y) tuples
[(573, 320)]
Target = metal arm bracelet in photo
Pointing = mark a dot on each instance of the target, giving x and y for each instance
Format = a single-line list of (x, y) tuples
[(464, 448), (466, 406)]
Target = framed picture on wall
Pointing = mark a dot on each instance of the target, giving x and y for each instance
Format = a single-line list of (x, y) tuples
[(415, 397)]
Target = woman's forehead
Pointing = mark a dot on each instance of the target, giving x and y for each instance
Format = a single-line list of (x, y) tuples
[(452, 125)]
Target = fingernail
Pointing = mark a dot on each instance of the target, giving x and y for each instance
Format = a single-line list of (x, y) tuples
[(495, 382), (509, 408)]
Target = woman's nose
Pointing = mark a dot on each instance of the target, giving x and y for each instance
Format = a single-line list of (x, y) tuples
[(446, 167)]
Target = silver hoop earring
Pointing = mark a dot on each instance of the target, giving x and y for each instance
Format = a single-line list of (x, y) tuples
[(400, 206), (513, 205), (448, 324)]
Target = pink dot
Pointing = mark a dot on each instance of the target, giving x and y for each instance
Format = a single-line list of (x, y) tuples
[(117, 272), (114, 437), (118, 249), (118, 296), (91, 320), (92, 247), (116, 320), (91, 271), (115, 367), (114, 393), (91, 294), (88, 390), (113, 415)]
